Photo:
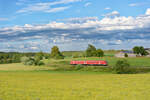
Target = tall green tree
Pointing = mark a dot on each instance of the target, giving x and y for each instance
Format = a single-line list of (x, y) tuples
[(55, 53), (136, 50), (90, 51), (99, 53), (139, 50)]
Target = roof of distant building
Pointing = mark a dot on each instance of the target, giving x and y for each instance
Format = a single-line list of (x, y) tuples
[(146, 48), (127, 52)]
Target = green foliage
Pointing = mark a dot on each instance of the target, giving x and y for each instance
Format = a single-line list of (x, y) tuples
[(27, 60), (143, 52), (97, 69), (31, 61), (90, 51), (79, 67), (40, 63), (136, 50), (56, 54), (99, 53), (15, 57), (139, 50), (125, 55), (24, 60), (39, 55), (121, 67)]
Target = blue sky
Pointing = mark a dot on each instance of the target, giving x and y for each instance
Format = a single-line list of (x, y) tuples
[(35, 25)]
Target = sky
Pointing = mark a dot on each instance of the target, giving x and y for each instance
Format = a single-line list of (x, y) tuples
[(38, 25)]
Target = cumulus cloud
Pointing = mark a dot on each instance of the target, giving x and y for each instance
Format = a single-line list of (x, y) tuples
[(148, 11), (72, 33), (79, 19)]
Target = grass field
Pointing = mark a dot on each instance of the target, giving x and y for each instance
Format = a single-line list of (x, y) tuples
[(134, 62), (20, 82), (21, 67), (45, 85)]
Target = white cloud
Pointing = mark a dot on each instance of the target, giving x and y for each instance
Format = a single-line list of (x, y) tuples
[(57, 9), (46, 7), (138, 4), (107, 23), (133, 4), (110, 31), (79, 19), (67, 1), (21, 2), (3, 19), (112, 14), (107, 8), (87, 4), (34, 48), (148, 11)]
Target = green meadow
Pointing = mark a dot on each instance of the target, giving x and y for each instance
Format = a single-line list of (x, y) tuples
[(20, 82), (134, 62), (53, 85)]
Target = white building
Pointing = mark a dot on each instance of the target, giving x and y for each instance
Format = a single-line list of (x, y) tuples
[(122, 54)]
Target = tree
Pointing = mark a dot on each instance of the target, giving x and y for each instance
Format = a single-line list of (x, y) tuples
[(55, 53), (39, 55), (90, 51), (99, 53), (136, 50), (125, 55), (140, 50), (143, 52), (121, 67)]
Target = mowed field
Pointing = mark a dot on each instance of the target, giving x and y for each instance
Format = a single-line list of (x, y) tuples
[(47, 85), (20, 82)]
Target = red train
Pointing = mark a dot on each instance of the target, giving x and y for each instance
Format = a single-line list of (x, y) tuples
[(90, 62)]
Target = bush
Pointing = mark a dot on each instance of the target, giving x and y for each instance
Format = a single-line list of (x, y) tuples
[(125, 55), (40, 63), (78, 67), (31, 61), (24, 60), (75, 56), (59, 57), (121, 67), (97, 69), (135, 70)]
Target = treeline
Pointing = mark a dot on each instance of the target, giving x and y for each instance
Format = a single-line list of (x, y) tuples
[(15, 57), (91, 51)]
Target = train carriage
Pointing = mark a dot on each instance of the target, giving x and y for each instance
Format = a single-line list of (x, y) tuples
[(90, 62)]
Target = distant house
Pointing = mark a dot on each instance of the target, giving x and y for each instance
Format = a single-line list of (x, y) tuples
[(148, 50), (122, 54)]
